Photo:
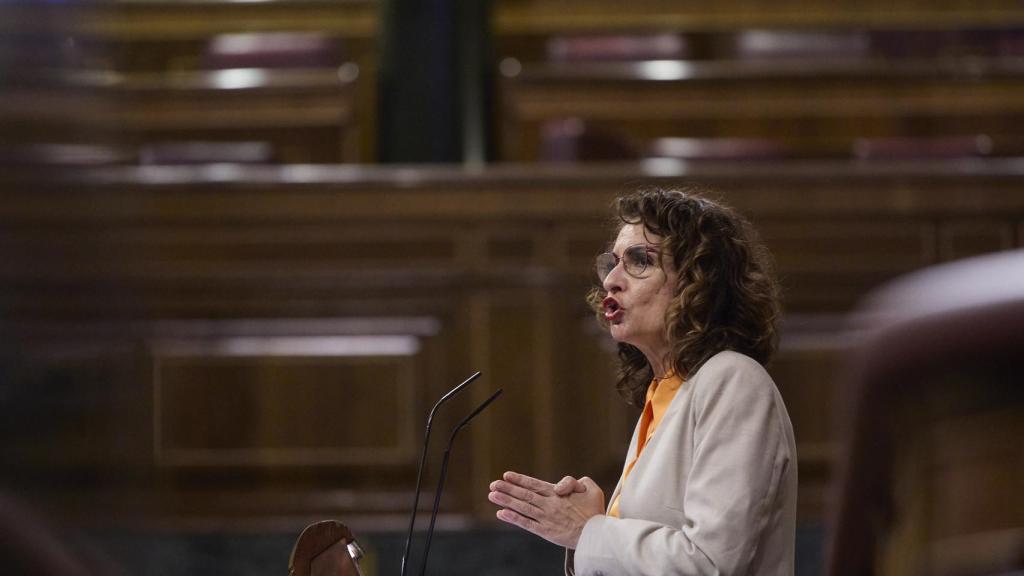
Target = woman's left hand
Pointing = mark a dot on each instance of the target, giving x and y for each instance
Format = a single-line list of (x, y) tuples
[(533, 505)]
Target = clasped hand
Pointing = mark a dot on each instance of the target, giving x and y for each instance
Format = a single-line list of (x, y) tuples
[(555, 512)]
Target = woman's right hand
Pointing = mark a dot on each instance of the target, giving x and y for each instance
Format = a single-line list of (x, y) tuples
[(533, 505)]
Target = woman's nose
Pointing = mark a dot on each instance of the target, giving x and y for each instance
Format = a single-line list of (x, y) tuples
[(613, 281)]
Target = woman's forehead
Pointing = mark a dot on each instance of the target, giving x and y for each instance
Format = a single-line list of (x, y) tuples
[(632, 234)]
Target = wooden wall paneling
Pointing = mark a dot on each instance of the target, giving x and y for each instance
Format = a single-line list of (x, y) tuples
[(594, 422), (261, 411), (826, 266), (549, 315), (461, 358), (511, 248), (268, 410), (245, 247), (486, 432), (72, 411), (807, 370), (165, 267), (509, 441), (382, 195), (806, 378), (549, 240), (963, 239), (230, 437)]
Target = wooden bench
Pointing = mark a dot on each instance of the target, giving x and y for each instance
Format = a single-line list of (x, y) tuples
[(932, 421), (304, 115), (539, 17), (143, 46), (808, 108)]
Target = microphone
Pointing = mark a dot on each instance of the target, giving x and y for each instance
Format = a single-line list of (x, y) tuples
[(423, 459), (444, 471)]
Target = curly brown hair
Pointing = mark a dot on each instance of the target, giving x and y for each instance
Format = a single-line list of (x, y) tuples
[(727, 297)]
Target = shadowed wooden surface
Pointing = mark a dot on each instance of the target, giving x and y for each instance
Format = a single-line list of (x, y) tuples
[(264, 341)]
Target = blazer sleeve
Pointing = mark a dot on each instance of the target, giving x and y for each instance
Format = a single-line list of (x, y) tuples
[(740, 453)]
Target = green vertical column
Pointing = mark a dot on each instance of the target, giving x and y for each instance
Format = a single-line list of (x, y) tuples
[(434, 84)]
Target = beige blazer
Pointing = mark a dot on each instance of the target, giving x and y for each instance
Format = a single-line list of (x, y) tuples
[(714, 491)]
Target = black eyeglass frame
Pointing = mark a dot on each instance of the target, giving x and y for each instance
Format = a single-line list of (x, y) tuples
[(609, 260)]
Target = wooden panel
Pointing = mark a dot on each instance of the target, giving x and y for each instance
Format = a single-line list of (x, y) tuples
[(512, 248), (965, 239), (826, 266), (199, 250), (511, 349), (807, 379), (73, 411), (807, 371), (594, 423), (839, 245), (262, 410), (583, 246)]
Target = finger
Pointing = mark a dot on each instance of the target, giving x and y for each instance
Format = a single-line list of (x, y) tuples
[(589, 485), (530, 483), (580, 486), (518, 493), (524, 522), (505, 501), (567, 486)]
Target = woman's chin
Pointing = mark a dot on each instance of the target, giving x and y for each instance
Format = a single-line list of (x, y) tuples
[(619, 333)]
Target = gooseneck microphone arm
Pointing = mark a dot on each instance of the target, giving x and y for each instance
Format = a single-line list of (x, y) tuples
[(444, 471), (423, 458)]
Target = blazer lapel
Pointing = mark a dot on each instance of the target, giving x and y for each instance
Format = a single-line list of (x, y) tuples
[(629, 456), (675, 406)]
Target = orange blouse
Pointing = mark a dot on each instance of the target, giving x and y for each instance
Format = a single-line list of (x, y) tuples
[(659, 395)]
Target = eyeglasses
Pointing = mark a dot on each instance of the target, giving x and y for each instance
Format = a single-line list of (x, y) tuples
[(635, 261)]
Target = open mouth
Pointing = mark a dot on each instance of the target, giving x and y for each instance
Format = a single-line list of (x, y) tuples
[(612, 310)]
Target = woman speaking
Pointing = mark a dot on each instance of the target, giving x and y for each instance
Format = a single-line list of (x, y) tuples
[(709, 483)]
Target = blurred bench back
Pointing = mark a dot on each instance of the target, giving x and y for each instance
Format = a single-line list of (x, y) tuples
[(932, 476)]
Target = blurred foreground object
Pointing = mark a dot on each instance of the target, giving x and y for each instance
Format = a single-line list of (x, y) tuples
[(934, 452), (325, 548)]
